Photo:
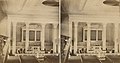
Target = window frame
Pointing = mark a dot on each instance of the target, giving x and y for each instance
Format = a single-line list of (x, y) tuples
[(97, 36), (29, 36)]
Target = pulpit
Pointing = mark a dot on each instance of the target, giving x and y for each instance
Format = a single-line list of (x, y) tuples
[(99, 52)]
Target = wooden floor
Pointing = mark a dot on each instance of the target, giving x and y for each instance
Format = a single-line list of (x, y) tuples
[(55, 59), (31, 59), (90, 59), (94, 59), (13, 59), (74, 59)]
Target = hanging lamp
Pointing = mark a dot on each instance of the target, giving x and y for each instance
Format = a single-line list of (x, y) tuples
[(112, 2), (50, 3)]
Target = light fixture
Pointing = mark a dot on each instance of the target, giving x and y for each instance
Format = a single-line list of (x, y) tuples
[(50, 3), (112, 2)]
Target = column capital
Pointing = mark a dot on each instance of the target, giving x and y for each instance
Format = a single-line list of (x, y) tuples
[(27, 23), (88, 23), (43, 25), (116, 24), (14, 23), (55, 25), (70, 22), (104, 24), (75, 24)]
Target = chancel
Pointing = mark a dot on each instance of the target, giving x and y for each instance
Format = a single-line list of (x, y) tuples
[(95, 27)]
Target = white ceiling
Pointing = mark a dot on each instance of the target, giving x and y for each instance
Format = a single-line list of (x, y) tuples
[(97, 7), (90, 7), (27, 7), (75, 6)]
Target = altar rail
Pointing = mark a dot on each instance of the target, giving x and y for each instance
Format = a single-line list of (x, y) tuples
[(36, 54), (96, 54)]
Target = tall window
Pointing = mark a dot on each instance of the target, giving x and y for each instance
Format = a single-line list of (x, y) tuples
[(85, 34), (38, 35), (31, 35), (34, 35), (99, 34), (94, 36), (24, 35)]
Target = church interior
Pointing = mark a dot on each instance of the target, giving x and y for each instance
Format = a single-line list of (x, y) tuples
[(59, 31), (90, 31), (32, 31)]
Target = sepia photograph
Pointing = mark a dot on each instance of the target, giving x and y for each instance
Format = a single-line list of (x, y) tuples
[(59, 31)]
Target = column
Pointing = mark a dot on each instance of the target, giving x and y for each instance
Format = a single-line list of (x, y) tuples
[(59, 45), (43, 36), (14, 38), (119, 47), (75, 36), (27, 37), (35, 35), (116, 37), (22, 36), (88, 36), (54, 37), (83, 35), (104, 36), (9, 34), (70, 35), (96, 35)]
